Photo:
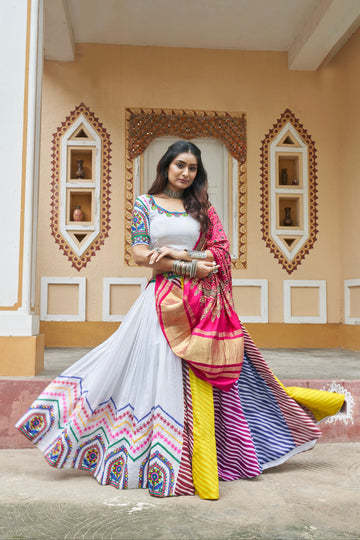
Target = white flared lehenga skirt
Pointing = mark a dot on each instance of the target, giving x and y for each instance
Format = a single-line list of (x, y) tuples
[(124, 413)]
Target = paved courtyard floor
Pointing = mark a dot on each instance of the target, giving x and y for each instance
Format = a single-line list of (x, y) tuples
[(337, 364), (315, 495)]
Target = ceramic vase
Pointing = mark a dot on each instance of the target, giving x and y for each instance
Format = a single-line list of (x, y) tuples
[(283, 177), (77, 213), (80, 173), (288, 219)]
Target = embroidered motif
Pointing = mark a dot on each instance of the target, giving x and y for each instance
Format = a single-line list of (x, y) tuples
[(38, 421), (108, 441), (160, 476), (161, 210), (115, 469), (58, 452), (90, 454), (143, 473), (140, 225)]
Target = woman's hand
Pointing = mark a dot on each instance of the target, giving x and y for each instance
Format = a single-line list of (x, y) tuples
[(155, 255), (205, 268)]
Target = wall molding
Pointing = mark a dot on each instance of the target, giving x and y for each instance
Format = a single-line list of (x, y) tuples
[(288, 284), (107, 282), (348, 283), (264, 307), (46, 281)]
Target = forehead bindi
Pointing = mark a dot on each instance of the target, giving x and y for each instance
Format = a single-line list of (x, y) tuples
[(187, 159)]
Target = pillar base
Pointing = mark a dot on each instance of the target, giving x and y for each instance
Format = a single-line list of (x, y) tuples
[(21, 356)]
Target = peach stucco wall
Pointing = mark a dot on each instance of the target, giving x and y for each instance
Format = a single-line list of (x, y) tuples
[(109, 78), (347, 67)]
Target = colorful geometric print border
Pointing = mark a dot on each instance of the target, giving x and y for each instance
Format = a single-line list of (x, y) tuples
[(161, 477), (96, 440), (116, 469), (37, 422), (58, 452)]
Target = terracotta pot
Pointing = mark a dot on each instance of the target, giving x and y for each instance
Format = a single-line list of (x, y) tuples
[(77, 213)]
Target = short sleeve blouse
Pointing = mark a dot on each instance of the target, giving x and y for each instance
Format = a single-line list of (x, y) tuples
[(155, 226)]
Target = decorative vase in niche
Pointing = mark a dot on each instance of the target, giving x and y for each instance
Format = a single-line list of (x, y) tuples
[(283, 177), (80, 173), (77, 213), (287, 219)]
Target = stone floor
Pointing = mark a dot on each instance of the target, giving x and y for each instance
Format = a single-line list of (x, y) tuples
[(315, 495), (337, 364)]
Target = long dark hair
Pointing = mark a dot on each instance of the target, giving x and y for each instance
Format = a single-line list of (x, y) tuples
[(195, 197)]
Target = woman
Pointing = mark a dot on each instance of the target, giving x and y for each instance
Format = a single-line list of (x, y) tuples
[(179, 395)]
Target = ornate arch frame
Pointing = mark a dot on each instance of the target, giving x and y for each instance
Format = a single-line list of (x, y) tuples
[(145, 125)]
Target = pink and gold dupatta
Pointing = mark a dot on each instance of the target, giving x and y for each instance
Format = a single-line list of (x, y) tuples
[(198, 319)]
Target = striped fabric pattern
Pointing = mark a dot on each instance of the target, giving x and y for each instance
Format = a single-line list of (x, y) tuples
[(184, 483), (269, 432), (321, 404), (204, 464), (301, 426), (235, 449)]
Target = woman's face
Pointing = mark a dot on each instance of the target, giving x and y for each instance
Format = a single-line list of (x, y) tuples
[(182, 171)]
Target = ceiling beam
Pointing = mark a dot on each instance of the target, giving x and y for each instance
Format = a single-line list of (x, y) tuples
[(59, 37), (331, 24)]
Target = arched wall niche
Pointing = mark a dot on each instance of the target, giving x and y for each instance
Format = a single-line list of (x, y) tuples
[(145, 125)]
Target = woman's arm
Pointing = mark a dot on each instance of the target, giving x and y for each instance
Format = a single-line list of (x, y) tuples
[(162, 262), (178, 254), (145, 257)]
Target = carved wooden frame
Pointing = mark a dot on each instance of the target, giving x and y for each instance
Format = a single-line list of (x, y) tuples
[(145, 125)]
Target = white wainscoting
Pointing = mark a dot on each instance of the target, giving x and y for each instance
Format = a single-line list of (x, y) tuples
[(348, 283), (264, 309), (107, 282), (288, 284), (46, 281)]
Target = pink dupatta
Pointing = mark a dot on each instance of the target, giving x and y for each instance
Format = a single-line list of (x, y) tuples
[(199, 320)]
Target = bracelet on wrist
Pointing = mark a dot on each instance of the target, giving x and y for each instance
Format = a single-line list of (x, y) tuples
[(185, 268), (195, 254)]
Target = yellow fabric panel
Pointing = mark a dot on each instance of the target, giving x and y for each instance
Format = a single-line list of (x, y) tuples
[(204, 461), (319, 402)]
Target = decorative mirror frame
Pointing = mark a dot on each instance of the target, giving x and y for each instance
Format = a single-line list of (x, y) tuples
[(59, 163), (268, 189), (145, 125)]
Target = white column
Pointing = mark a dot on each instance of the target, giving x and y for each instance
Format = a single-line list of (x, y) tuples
[(21, 65)]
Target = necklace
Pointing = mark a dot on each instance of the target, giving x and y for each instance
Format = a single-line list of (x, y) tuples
[(173, 194)]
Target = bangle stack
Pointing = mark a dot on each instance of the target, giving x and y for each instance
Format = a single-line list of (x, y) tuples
[(196, 254), (184, 268)]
